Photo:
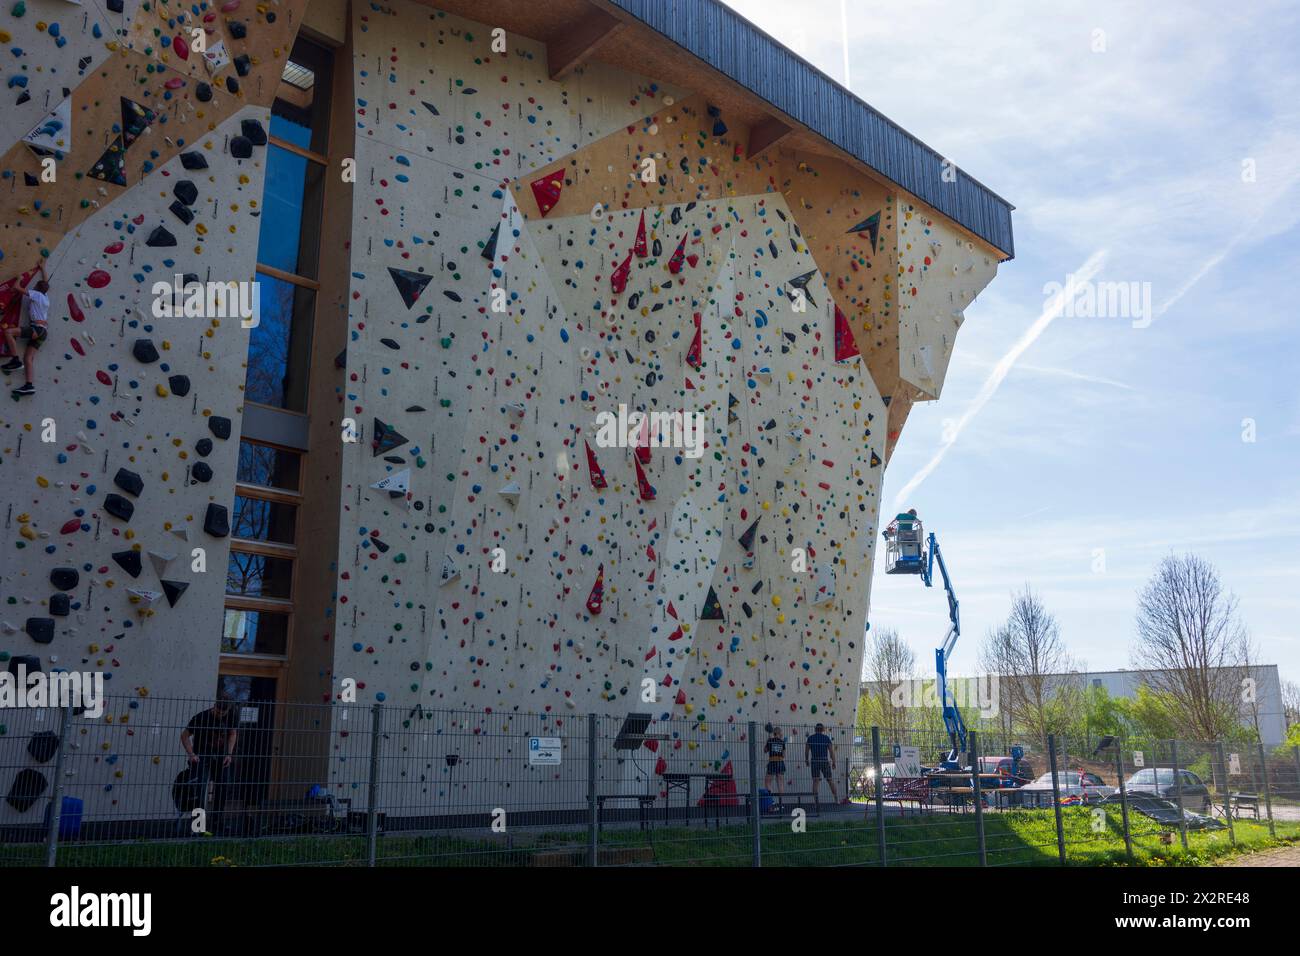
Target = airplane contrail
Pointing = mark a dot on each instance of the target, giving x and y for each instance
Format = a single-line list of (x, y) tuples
[(1003, 368)]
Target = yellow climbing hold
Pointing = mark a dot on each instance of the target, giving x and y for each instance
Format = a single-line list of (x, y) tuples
[(161, 390), (43, 481)]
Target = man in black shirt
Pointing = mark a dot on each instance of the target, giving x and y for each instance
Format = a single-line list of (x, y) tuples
[(819, 754), (209, 742)]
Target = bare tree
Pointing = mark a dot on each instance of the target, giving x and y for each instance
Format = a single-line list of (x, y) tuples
[(889, 662), (1192, 645), (1291, 702), (1025, 653)]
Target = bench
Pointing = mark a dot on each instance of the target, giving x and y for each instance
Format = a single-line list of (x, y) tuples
[(644, 802), (909, 790), (796, 799), (1247, 801)]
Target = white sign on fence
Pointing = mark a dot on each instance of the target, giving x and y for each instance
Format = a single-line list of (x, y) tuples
[(907, 762), (1139, 759), (544, 751), (1234, 763)]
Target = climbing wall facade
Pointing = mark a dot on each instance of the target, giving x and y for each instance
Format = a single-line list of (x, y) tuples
[(530, 255), (130, 158)]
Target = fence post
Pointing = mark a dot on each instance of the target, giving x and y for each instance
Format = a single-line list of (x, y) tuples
[(1227, 793), (56, 797), (1123, 797), (1268, 797), (755, 810), (880, 797), (1295, 752), (372, 812), (979, 799), (1056, 798), (1178, 791), (593, 812)]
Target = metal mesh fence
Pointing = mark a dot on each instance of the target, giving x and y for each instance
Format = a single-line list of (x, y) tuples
[(167, 782)]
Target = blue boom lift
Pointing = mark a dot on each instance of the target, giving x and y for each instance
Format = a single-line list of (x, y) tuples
[(905, 554)]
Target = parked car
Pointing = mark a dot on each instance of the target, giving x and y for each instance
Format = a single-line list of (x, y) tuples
[(1074, 787), (1005, 767), (1160, 783)]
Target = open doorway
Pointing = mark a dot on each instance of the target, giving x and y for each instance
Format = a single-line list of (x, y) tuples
[(250, 780)]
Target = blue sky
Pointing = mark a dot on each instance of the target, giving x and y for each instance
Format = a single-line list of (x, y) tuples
[(1101, 436)]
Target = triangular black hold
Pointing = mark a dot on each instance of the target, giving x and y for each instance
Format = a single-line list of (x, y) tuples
[(145, 351), (242, 64), (712, 607), (431, 108), (253, 131), (747, 539), (875, 460), (341, 360), (217, 521), (160, 238), (409, 284), (30, 180), (886, 399), (871, 226), (237, 29), (111, 166), (129, 561), (194, 160), (135, 120), (490, 250), (800, 282), (182, 212), (386, 438), (173, 590)]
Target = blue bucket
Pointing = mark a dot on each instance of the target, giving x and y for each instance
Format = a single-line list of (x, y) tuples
[(70, 818)]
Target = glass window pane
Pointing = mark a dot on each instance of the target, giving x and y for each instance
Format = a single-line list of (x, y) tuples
[(258, 520), (300, 113), (291, 213), (267, 466), (279, 346), (255, 575), (254, 632)]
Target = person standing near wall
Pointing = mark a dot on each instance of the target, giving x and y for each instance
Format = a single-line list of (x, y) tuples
[(209, 742), (819, 754), (775, 750), (38, 315)]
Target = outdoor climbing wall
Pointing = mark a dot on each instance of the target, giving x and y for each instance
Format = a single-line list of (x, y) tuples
[(514, 277), (124, 460)]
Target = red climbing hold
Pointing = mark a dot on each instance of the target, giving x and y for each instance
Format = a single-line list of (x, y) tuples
[(76, 347), (639, 247), (618, 278), (594, 469), (181, 47), (643, 486), (643, 442), (103, 378), (675, 263), (74, 310), (98, 279), (547, 190), (596, 599), (845, 345), (71, 525), (697, 346)]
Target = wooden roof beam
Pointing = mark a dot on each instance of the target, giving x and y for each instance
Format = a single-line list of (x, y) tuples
[(577, 40), (764, 134)]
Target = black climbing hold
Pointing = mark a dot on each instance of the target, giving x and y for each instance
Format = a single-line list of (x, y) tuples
[(173, 590), (391, 343), (43, 745), (417, 408), (875, 460), (237, 29), (65, 579), (242, 64), (29, 663), (253, 132), (159, 238), (186, 192), (60, 604), (30, 180), (341, 360), (490, 249), (386, 438), (451, 294), (129, 482), (712, 607), (111, 165), (135, 120), (203, 446), (747, 539), (40, 629), (28, 784), (409, 284), (216, 522), (179, 384), (119, 507), (204, 93), (144, 351), (128, 561), (232, 85), (270, 16), (431, 108), (182, 212), (219, 426), (193, 160), (115, 5), (201, 471), (241, 148)]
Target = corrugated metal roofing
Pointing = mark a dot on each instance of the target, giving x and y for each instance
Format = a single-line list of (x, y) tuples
[(737, 48)]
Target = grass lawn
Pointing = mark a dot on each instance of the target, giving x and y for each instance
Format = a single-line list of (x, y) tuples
[(1012, 838)]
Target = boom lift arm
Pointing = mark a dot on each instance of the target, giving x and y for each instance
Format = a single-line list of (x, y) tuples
[(952, 719)]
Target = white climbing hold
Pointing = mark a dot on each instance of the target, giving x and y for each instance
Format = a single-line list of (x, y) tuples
[(449, 570), (160, 560), (511, 493), (399, 482)]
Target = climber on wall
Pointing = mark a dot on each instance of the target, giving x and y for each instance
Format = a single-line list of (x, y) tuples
[(38, 313)]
